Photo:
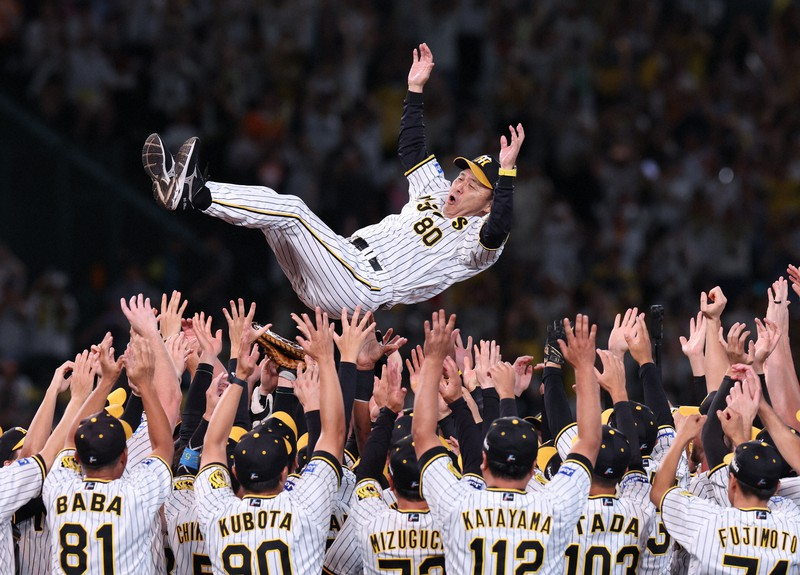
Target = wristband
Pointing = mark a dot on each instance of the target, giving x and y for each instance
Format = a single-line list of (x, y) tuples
[(503, 172), (190, 458), (233, 379)]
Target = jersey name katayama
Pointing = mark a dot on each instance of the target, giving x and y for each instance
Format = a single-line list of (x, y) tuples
[(755, 536), (96, 502), (508, 518), (248, 521), (406, 539)]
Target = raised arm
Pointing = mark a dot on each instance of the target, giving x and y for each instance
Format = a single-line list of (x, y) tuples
[(781, 375), (438, 342), (412, 148), (650, 376), (687, 428), (716, 359), (498, 225), (579, 350), (317, 341), (42, 423)]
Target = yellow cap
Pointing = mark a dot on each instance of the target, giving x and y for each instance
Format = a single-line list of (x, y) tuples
[(686, 410), (285, 418), (115, 410), (237, 432), (544, 456), (302, 441), (606, 415), (754, 431)]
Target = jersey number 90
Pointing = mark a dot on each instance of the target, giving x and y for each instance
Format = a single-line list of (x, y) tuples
[(236, 558)]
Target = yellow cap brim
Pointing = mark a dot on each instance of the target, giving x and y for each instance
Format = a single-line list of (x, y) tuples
[(285, 418), (476, 171), (544, 456), (236, 433), (686, 410), (606, 415), (115, 410), (117, 397), (127, 428), (302, 441)]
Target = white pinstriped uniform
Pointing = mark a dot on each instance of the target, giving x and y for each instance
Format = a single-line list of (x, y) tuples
[(284, 533), (609, 537), (139, 448), (104, 526), (420, 252), (343, 557), (341, 503), (393, 539), (504, 531), (21, 481), (725, 540), (34, 548), (183, 527)]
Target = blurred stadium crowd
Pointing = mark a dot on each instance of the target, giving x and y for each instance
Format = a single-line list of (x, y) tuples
[(661, 155)]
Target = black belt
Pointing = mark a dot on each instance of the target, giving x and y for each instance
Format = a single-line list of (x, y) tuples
[(361, 245)]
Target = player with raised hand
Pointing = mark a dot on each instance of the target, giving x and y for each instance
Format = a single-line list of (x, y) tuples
[(503, 528), (102, 521), (747, 535), (446, 233), (271, 529)]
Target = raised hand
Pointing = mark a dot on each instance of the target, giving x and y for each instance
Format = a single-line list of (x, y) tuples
[(372, 350), (713, 303), (213, 393), (735, 345), (694, 346), (140, 363), (523, 372), (461, 352), (579, 349), (306, 386), (395, 394), (622, 325), (509, 148), (238, 322), (486, 355), (421, 68), (140, 315), (317, 337), (794, 276), (778, 303), (210, 343), (769, 334), (82, 381), (355, 335), (450, 385), (688, 426), (169, 320), (639, 342), (502, 374), (438, 335), (470, 376), (110, 368), (60, 381), (612, 379), (414, 366)]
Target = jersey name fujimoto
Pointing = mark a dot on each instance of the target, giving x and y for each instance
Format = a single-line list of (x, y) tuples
[(426, 228)]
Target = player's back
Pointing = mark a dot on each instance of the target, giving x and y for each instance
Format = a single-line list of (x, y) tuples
[(609, 537), (103, 526), (183, 529)]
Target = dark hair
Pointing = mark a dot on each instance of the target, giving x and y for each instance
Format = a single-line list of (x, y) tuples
[(409, 494), (508, 470), (95, 468), (750, 491), (260, 486), (606, 482)]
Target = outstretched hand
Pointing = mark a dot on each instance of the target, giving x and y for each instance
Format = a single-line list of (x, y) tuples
[(509, 149), (421, 68)]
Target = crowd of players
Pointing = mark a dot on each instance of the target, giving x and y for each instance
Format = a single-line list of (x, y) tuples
[(324, 468)]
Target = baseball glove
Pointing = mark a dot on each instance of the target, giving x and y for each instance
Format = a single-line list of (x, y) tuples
[(283, 352)]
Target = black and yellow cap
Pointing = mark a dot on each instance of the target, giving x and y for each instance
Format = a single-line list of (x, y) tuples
[(11, 440), (757, 464), (645, 422), (100, 439), (511, 441), (614, 455), (485, 168), (260, 455), (401, 427), (764, 436), (403, 464)]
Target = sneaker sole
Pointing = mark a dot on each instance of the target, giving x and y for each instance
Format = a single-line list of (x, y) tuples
[(154, 158), (185, 163)]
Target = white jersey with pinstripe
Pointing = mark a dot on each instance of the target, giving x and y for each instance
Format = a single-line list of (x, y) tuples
[(183, 528), (21, 481), (33, 547), (283, 533), (723, 540), (139, 448), (104, 527), (609, 537), (419, 252), (504, 531), (393, 539)]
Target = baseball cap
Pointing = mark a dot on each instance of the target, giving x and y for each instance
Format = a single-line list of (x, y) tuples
[(403, 464), (645, 422), (614, 455), (764, 436), (282, 423), (260, 455), (757, 464), (11, 440), (485, 168), (511, 440), (100, 439), (402, 427)]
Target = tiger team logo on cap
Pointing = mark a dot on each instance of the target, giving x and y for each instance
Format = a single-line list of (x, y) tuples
[(485, 169), (100, 439)]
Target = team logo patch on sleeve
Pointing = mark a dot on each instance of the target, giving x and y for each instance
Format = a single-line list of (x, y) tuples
[(366, 491), (311, 466), (69, 462), (218, 479), (185, 484), (22, 462), (565, 470)]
